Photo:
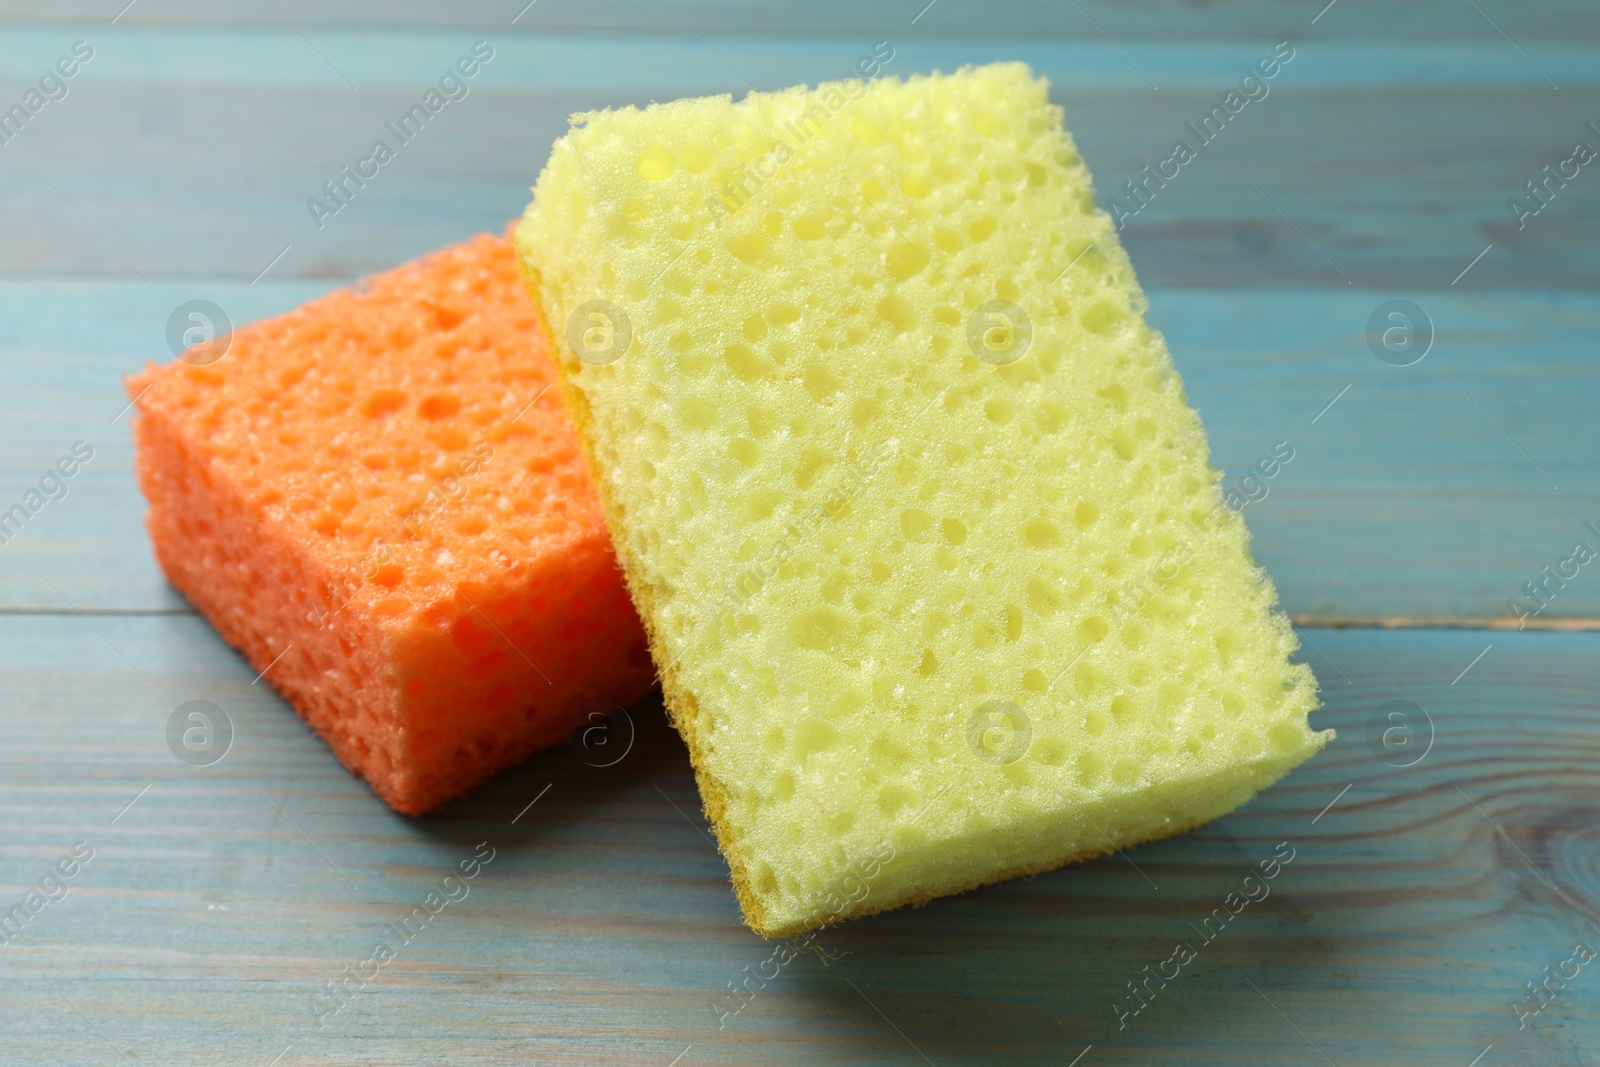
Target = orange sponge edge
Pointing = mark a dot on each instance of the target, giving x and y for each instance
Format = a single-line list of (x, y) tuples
[(497, 620)]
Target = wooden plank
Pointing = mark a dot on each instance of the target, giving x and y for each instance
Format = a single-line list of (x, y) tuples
[(1436, 489), (603, 932), (1430, 20), (629, 62), (61, 367), (1345, 186), (1402, 499), (681, 62)]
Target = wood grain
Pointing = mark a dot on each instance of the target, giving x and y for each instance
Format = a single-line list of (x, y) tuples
[(604, 930), (1390, 167), (222, 899)]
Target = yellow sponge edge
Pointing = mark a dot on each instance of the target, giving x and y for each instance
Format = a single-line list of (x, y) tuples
[(934, 565)]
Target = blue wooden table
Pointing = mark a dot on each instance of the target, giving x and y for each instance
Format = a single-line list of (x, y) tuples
[(1446, 848)]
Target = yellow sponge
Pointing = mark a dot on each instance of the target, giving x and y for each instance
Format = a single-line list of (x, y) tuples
[(933, 561)]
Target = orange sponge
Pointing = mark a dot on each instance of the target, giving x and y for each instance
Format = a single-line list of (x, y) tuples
[(378, 499)]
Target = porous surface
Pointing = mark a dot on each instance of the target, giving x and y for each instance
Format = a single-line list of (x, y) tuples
[(923, 530), (377, 501)]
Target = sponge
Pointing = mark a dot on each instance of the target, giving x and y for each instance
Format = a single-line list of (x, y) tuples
[(377, 501), (922, 528)]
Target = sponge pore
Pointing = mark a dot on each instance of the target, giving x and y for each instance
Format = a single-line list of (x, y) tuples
[(923, 530), (375, 499)]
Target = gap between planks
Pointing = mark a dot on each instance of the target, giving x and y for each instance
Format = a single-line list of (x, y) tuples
[(1566, 624), (1561, 623)]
